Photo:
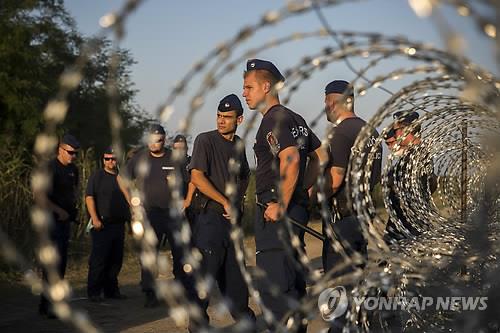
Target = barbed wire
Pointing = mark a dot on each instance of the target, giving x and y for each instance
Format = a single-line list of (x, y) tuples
[(453, 90)]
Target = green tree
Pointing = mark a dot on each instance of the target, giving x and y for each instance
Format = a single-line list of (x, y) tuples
[(88, 117), (37, 41)]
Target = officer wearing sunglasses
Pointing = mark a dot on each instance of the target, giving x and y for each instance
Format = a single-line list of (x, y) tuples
[(109, 211), (62, 201)]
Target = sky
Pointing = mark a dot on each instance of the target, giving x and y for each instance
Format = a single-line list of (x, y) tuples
[(167, 37)]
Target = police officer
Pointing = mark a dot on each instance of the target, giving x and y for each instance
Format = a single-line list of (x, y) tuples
[(62, 201), (339, 109), (282, 145), (109, 211), (155, 188), (210, 173), (407, 148), (180, 146)]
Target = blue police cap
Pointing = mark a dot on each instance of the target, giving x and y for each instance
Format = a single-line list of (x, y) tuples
[(339, 87), (157, 129), (109, 151), (70, 140), (180, 138), (255, 64), (231, 103), (405, 117)]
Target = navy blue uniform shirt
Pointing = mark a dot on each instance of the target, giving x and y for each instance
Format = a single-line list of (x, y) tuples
[(65, 180), (154, 183), (281, 128), (341, 144), (211, 154), (110, 202)]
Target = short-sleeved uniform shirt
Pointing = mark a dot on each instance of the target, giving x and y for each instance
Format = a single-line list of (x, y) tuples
[(110, 202), (152, 175), (341, 145), (65, 179), (211, 154), (281, 128)]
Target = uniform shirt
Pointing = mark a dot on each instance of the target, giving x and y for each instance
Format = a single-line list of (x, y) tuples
[(154, 181), (110, 202), (65, 179), (281, 128), (341, 144), (211, 154)]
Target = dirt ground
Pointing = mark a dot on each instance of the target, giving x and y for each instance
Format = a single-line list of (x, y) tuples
[(19, 310)]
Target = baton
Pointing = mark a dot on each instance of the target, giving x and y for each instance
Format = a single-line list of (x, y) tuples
[(310, 231)]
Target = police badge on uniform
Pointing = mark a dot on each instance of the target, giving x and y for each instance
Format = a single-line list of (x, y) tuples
[(273, 143)]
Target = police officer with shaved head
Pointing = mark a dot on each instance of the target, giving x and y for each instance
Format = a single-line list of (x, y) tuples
[(339, 109), (283, 145), (213, 153)]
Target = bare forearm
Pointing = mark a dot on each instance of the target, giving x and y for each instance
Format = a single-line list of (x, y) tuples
[(337, 178), (289, 173), (91, 208), (190, 192)]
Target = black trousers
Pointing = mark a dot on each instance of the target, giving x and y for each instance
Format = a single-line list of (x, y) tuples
[(212, 238), (284, 284), (162, 224), (106, 259), (59, 234), (348, 231)]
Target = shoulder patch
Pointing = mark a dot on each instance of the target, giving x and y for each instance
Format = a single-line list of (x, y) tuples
[(273, 143)]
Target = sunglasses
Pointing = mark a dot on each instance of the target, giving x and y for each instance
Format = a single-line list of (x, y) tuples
[(71, 152), (109, 158)]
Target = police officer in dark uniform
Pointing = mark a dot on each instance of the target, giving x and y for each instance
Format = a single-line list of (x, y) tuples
[(339, 108), (282, 146), (109, 212), (428, 180), (210, 173), (154, 185), (180, 146), (62, 201)]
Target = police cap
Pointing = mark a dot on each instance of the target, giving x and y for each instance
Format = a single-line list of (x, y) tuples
[(180, 138), (405, 117), (255, 64), (157, 129), (109, 151), (339, 87), (70, 140), (231, 103)]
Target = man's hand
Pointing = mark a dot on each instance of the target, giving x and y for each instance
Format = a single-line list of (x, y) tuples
[(186, 204), (97, 224), (227, 209), (273, 212)]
